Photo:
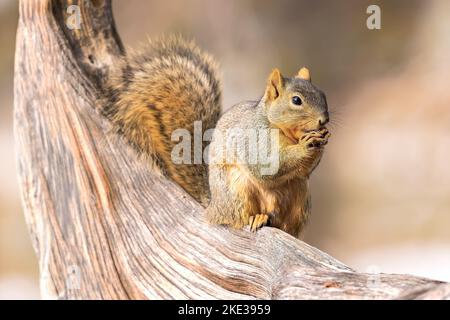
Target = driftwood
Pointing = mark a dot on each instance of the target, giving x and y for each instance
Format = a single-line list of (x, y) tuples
[(105, 226)]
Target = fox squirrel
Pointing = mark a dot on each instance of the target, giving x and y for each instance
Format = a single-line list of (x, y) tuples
[(166, 85), (240, 194), (170, 83)]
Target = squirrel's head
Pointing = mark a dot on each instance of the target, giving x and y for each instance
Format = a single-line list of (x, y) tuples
[(295, 105)]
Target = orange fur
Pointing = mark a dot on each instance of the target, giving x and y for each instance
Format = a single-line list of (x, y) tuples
[(166, 85), (240, 194)]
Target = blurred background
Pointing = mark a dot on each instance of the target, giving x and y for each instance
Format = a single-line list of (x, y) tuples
[(381, 195)]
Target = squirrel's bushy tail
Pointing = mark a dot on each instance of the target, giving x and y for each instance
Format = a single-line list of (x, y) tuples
[(166, 85)]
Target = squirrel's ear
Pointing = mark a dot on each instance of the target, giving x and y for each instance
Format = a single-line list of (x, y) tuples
[(275, 85), (304, 74)]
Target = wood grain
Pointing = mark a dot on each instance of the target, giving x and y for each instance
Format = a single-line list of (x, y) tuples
[(105, 226)]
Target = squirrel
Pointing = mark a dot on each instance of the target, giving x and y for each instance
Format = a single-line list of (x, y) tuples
[(240, 194), (166, 85), (170, 83)]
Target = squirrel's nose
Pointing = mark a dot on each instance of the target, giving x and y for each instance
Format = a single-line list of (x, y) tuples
[(324, 119)]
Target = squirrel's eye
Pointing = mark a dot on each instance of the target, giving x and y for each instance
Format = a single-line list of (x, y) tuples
[(296, 100)]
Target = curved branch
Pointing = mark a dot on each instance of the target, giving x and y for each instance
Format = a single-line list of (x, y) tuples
[(104, 225)]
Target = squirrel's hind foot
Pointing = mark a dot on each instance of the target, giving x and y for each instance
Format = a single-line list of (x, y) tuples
[(258, 221)]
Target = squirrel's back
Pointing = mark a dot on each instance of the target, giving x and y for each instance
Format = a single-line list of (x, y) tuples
[(167, 85)]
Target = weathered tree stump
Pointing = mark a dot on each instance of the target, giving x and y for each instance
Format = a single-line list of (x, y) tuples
[(106, 226)]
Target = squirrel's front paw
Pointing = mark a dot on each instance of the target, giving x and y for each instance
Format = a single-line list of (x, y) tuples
[(315, 139), (257, 221)]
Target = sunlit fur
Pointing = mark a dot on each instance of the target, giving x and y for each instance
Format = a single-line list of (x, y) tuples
[(166, 85), (239, 191)]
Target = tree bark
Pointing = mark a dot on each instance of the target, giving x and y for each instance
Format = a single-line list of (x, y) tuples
[(105, 226)]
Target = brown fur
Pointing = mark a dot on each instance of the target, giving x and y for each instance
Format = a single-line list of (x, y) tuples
[(166, 85), (240, 194), (290, 200)]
